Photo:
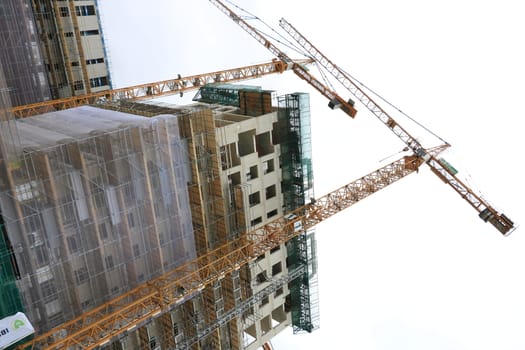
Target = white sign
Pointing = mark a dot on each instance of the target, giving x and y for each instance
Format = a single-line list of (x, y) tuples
[(13, 329)]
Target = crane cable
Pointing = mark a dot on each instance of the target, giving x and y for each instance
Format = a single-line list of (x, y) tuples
[(285, 42), (394, 106), (291, 45)]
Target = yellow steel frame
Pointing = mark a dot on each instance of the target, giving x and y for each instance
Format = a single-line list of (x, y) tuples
[(295, 65), (161, 88), (136, 307), (437, 166)]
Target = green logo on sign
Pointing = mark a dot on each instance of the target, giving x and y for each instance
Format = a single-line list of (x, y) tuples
[(17, 324)]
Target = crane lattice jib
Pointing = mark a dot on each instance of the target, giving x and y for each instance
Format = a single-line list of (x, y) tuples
[(149, 300), (343, 78), (162, 88), (335, 100), (486, 211)]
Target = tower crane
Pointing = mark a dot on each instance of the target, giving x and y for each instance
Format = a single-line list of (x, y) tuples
[(162, 88), (154, 298), (150, 300), (335, 101), (438, 166)]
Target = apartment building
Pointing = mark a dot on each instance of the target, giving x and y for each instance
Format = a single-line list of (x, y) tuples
[(99, 201), (52, 49)]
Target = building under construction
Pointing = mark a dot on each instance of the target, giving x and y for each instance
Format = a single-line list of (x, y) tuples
[(55, 49), (98, 200)]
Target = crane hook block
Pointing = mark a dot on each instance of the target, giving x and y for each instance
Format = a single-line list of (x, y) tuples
[(334, 104), (499, 221)]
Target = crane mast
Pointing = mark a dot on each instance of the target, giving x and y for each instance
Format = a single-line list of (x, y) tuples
[(150, 300), (437, 166)]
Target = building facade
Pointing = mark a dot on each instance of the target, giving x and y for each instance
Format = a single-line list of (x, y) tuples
[(52, 49), (98, 201)]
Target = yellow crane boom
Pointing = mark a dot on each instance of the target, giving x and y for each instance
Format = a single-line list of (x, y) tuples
[(438, 166), (335, 101), (151, 299), (162, 88), (154, 298)]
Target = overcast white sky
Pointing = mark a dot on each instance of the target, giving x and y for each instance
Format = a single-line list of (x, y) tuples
[(411, 267)]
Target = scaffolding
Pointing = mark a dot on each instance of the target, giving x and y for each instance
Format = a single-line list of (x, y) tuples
[(9, 294), (296, 156), (20, 53), (201, 321), (219, 314), (251, 100), (98, 204), (104, 199), (223, 94), (52, 50)]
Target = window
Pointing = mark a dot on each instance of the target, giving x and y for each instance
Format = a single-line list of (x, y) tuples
[(95, 60), (264, 301), (68, 34), (263, 143), (279, 291), (254, 198), (99, 199), (129, 194), (81, 275), (26, 191), (136, 250), (152, 343), (277, 269), (157, 208), (271, 214), (68, 213), (256, 221), (269, 166), (89, 32), (131, 220), (253, 173), (261, 277), (103, 231), (86, 10), (75, 64), (72, 244), (49, 290), (34, 239), (85, 304), (99, 81), (270, 192), (246, 143), (64, 11), (40, 255), (78, 85), (109, 262)]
